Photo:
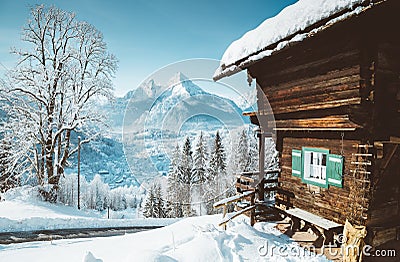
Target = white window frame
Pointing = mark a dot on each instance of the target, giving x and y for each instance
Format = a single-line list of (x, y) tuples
[(314, 166)]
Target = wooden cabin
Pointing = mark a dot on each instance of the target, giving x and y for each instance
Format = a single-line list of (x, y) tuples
[(335, 97)]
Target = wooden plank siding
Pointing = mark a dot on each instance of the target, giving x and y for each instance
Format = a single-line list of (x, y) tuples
[(384, 210), (332, 203), (316, 92), (387, 91)]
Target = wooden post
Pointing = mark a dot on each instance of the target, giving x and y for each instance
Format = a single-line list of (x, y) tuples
[(79, 172), (224, 214), (252, 215), (261, 165), (295, 224)]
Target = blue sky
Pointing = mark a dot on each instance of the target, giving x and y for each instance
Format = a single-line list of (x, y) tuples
[(148, 34)]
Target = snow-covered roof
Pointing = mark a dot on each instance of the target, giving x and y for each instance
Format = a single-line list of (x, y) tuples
[(293, 24)]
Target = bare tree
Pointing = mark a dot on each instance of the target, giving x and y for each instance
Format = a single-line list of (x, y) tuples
[(58, 78)]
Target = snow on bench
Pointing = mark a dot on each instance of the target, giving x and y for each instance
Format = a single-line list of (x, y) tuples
[(233, 199), (313, 219), (232, 215)]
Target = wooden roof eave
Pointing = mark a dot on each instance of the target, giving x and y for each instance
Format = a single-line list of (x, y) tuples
[(339, 123), (312, 30)]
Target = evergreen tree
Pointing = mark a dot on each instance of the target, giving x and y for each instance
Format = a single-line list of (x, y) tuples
[(159, 211), (154, 205), (200, 160), (186, 164), (186, 177), (150, 204), (218, 160), (253, 153), (242, 154), (200, 170), (217, 180), (174, 208)]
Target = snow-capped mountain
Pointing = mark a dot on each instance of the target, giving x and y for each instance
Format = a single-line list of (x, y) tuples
[(175, 103), (248, 100), (149, 121)]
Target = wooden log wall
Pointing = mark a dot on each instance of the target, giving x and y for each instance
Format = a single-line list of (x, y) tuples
[(384, 211), (333, 89), (333, 203), (317, 75), (387, 91)]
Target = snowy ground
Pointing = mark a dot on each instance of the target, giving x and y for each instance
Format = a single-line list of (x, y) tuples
[(22, 212), (191, 239)]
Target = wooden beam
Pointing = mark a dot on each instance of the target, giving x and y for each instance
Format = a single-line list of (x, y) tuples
[(390, 156), (231, 216), (249, 113), (335, 122), (232, 199)]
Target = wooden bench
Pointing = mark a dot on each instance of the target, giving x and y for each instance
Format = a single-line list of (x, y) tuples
[(328, 227)]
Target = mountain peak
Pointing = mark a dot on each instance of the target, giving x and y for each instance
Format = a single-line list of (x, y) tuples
[(178, 77), (150, 88)]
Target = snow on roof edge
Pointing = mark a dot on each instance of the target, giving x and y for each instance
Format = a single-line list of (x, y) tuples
[(251, 47)]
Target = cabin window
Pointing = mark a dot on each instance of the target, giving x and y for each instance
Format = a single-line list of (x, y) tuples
[(314, 166), (317, 167)]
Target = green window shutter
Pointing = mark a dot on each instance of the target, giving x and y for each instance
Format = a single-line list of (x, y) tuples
[(334, 170), (296, 162)]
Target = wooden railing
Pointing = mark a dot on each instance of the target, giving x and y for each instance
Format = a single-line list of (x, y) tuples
[(248, 181)]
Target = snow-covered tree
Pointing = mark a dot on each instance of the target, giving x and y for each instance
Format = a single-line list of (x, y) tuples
[(217, 176), (98, 194), (174, 206), (7, 179), (200, 169), (242, 156), (62, 73), (218, 161), (160, 203), (253, 152), (186, 177), (154, 204), (200, 160), (150, 203)]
